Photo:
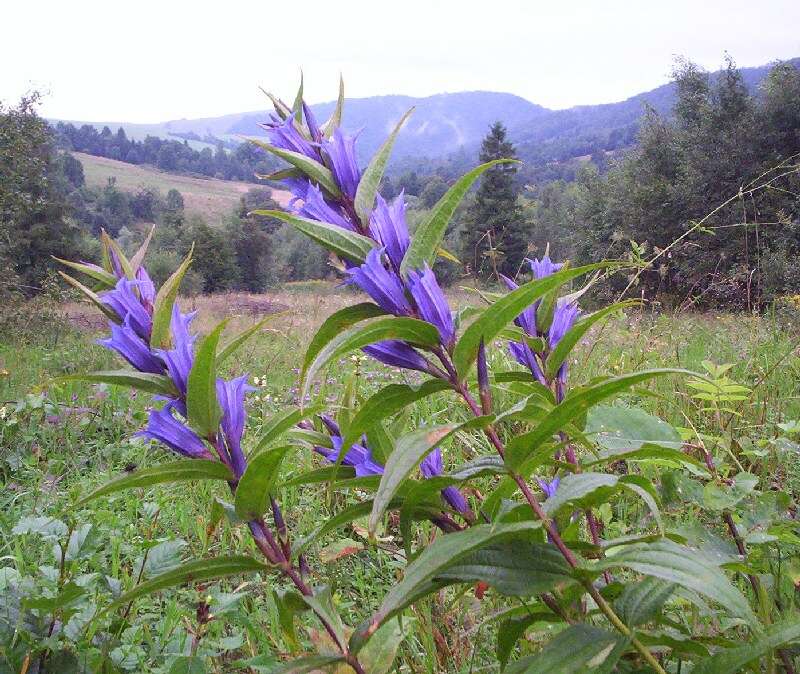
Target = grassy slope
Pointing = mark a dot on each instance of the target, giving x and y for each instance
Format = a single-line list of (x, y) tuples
[(211, 198)]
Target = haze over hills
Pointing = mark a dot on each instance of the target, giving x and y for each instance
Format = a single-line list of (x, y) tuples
[(447, 123)]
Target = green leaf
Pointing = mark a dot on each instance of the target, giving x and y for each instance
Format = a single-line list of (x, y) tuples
[(188, 664), (93, 297), (175, 471), (716, 497), (163, 557), (733, 660), (112, 245), (321, 603), (371, 178), (303, 665), (419, 576), (230, 348), (337, 323), (509, 633), (313, 169), (191, 572), (428, 235), (408, 453), (44, 526), (581, 489), (641, 602), (578, 648), (516, 568), (202, 406), (160, 337), (143, 381), (386, 402), (255, 485), (138, 256), (618, 428), (101, 275), (282, 421), (646, 452), (574, 335), (410, 330), (684, 566), (573, 406), (297, 106), (335, 119), (380, 651), (492, 320), (343, 242)]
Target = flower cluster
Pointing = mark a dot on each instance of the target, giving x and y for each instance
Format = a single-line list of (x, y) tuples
[(132, 302), (414, 294), (360, 458), (564, 316)]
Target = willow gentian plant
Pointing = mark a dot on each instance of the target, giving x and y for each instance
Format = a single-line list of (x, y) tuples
[(551, 453)]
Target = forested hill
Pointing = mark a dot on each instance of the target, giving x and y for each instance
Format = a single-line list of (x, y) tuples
[(448, 123)]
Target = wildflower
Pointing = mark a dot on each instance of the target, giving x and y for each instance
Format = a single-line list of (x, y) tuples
[(230, 395), (564, 318), (180, 358), (165, 428), (544, 267), (398, 354), (431, 466), (315, 207), (527, 319), (130, 346), (358, 457), (125, 302), (432, 304), (383, 287), (3, 412), (147, 291), (387, 225), (341, 153), (549, 488), (285, 135)]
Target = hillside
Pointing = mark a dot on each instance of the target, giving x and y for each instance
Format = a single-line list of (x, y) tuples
[(213, 199)]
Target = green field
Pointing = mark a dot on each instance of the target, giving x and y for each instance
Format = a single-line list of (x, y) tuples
[(211, 198)]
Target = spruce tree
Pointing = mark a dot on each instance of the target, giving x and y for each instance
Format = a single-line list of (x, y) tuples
[(494, 237)]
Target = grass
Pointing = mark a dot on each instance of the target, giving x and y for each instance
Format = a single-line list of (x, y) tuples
[(64, 439), (211, 198)]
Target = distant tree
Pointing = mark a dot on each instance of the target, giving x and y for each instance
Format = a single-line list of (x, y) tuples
[(433, 191), (214, 257), (410, 183), (494, 236)]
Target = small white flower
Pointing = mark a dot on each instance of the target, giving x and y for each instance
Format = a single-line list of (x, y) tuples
[(3, 412)]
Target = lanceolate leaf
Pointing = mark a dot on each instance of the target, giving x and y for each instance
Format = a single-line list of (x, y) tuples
[(101, 275), (379, 653), (162, 307), (494, 318), (734, 660), (255, 485), (313, 169), (428, 236), (303, 665), (112, 245), (409, 451), (174, 471), (574, 335), (201, 395), (336, 323), (574, 406), (682, 565), (138, 256), (343, 242), (191, 572), (640, 602), (335, 119), (386, 402), (410, 330), (230, 348), (434, 559), (143, 381), (370, 180), (92, 296), (579, 648)]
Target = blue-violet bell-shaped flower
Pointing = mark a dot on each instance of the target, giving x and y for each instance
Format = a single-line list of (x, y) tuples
[(431, 466), (387, 224), (549, 488), (125, 302), (544, 267), (284, 134), (396, 353), (180, 358), (315, 207), (381, 285), (342, 154), (132, 348), (165, 428), (230, 395), (431, 303)]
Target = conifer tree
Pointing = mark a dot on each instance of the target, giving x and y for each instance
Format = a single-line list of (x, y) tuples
[(494, 237)]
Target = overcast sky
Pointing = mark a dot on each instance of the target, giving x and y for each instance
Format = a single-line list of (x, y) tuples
[(150, 61)]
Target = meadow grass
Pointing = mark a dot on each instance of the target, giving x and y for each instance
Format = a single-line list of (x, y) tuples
[(61, 439)]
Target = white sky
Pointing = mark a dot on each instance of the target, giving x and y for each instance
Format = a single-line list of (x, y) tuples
[(148, 61)]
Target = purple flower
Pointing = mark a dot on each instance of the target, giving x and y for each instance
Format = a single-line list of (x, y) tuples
[(527, 319), (285, 135), (116, 264), (147, 291), (431, 303), (311, 122), (549, 488), (544, 267), (564, 317), (342, 154), (387, 224), (125, 302), (397, 354), (358, 457), (165, 428), (230, 395), (316, 208), (381, 285), (180, 358), (431, 466), (130, 346), (524, 355)]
